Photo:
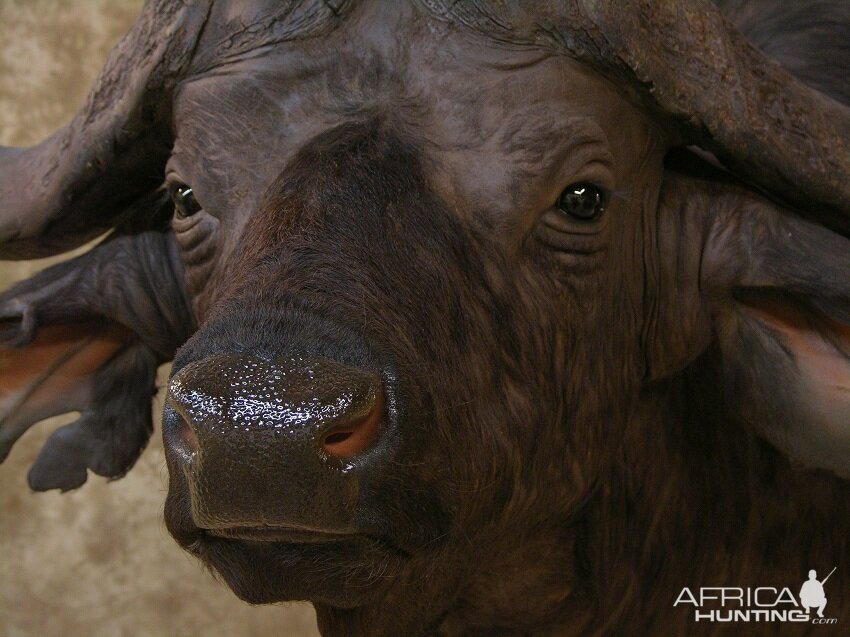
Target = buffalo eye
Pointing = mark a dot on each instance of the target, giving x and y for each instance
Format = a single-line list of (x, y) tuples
[(582, 201), (185, 204)]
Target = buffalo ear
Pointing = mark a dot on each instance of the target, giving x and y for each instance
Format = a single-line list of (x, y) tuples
[(93, 368), (87, 336), (773, 290)]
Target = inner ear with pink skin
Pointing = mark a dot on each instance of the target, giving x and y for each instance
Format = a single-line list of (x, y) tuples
[(95, 370), (773, 291), (801, 359), (87, 336)]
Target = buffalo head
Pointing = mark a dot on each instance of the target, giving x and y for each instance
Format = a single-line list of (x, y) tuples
[(468, 303)]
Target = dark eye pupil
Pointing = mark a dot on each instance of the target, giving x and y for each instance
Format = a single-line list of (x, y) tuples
[(582, 201), (185, 203)]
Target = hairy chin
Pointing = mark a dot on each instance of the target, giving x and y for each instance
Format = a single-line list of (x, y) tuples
[(343, 574)]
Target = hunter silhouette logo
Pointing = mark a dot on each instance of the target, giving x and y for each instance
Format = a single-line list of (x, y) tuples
[(812, 594), (730, 604)]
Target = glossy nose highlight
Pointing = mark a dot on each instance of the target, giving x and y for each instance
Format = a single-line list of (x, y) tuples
[(265, 444), (334, 408)]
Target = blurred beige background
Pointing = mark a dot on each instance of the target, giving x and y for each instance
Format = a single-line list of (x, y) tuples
[(96, 562)]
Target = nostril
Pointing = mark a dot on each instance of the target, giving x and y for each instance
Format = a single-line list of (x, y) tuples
[(188, 436), (351, 439), (338, 437), (177, 428)]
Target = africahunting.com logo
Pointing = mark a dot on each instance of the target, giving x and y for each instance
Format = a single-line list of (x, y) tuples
[(759, 604)]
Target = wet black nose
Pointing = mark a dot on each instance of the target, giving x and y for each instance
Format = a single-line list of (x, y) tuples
[(268, 444)]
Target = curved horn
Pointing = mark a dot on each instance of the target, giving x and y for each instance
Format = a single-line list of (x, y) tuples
[(725, 94), (74, 185), (767, 126)]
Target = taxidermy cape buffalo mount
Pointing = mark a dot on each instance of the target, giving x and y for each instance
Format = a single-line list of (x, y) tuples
[(487, 318)]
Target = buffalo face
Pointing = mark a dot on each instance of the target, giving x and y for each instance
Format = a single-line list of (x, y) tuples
[(457, 316), (407, 268)]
